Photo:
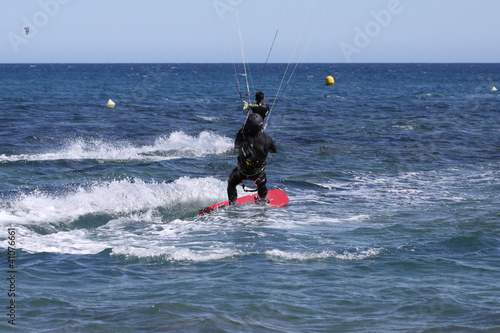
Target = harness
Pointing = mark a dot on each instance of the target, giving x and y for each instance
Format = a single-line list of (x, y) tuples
[(249, 162), (249, 167)]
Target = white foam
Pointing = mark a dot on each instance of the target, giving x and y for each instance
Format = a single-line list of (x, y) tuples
[(131, 214), (131, 207), (68, 242), (115, 197), (175, 145), (172, 253), (310, 218), (145, 244), (405, 188), (302, 256), (405, 127), (138, 236), (210, 118)]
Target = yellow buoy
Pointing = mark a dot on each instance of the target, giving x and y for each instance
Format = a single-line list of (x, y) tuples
[(329, 81), (110, 104), (494, 88)]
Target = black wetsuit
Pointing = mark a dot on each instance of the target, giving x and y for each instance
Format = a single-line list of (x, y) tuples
[(252, 153), (262, 109)]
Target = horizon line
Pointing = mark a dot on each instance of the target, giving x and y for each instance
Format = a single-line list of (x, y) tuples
[(239, 63)]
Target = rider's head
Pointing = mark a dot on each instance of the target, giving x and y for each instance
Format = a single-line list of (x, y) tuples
[(259, 97), (254, 123)]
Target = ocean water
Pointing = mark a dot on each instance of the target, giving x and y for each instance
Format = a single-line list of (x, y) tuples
[(393, 175)]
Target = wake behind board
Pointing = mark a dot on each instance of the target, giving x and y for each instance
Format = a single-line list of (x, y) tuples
[(277, 198)]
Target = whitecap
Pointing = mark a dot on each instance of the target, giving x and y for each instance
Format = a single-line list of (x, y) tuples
[(117, 197), (172, 253), (303, 256), (176, 145)]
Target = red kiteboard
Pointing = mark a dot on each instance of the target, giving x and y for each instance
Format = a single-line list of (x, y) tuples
[(277, 198)]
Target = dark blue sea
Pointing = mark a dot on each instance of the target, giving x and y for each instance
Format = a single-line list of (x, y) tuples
[(393, 175)]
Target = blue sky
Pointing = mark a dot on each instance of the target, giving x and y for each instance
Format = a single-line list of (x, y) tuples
[(173, 31)]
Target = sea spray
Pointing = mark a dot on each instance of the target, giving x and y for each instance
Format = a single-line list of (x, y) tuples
[(175, 145)]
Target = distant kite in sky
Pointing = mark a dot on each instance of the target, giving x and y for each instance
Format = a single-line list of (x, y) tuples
[(27, 29)]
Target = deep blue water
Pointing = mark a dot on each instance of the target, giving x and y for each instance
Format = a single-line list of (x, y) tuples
[(393, 177)]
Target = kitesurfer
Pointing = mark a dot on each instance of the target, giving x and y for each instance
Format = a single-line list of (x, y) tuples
[(253, 145), (259, 107)]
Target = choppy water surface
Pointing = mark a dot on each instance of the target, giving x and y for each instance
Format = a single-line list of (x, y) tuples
[(392, 173)]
